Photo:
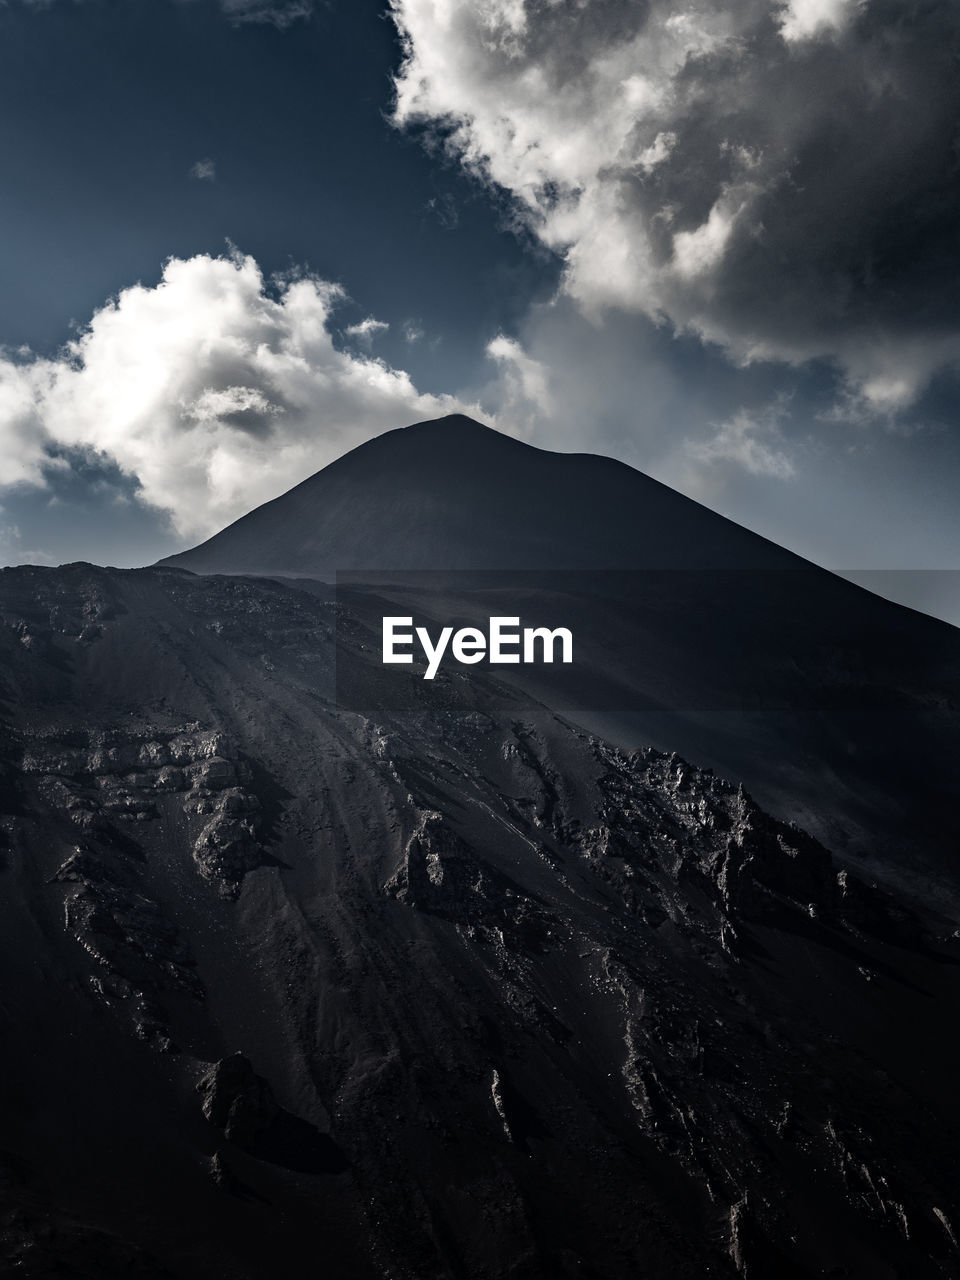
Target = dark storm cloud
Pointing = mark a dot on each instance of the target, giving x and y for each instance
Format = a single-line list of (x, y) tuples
[(781, 178)]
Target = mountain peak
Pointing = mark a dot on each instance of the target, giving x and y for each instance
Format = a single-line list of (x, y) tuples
[(452, 422), (452, 493), (453, 433)]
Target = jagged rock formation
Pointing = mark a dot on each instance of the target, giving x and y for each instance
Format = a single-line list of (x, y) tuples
[(236, 1100), (104, 778), (462, 991)]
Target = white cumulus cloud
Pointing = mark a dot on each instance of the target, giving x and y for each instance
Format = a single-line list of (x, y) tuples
[(213, 389), (366, 330)]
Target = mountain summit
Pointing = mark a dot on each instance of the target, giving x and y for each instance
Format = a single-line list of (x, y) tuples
[(454, 494)]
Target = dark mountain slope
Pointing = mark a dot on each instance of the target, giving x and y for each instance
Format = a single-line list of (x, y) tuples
[(452, 494), (508, 1001), (836, 708)]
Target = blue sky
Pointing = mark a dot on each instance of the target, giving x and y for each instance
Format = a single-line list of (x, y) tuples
[(107, 108), (719, 242)]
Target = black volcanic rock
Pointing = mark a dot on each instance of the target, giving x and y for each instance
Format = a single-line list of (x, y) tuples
[(236, 1100), (496, 998)]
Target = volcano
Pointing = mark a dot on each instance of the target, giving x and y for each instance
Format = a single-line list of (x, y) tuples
[(644, 966), (454, 494)]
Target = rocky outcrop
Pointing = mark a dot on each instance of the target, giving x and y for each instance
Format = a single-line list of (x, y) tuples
[(78, 608), (236, 1100), (104, 781), (140, 955), (126, 933), (227, 846), (121, 798), (441, 875), (241, 1105)]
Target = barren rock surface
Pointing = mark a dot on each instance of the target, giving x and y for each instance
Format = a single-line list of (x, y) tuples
[(465, 991)]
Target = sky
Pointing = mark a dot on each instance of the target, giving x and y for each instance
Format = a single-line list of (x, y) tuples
[(719, 241)]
